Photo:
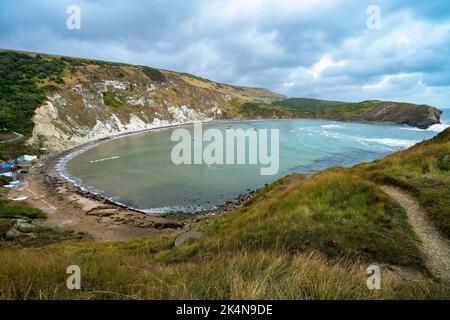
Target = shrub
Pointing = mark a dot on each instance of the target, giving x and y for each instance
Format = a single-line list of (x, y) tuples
[(20, 211)]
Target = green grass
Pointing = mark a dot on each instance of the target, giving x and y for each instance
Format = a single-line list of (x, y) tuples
[(20, 211), (110, 274), (113, 100), (12, 150), (336, 110), (4, 180), (424, 170), (338, 214), (253, 110), (20, 93), (299, 238), (31, 233), (324, 109), (308, 103), (267, 250), (366, 111)]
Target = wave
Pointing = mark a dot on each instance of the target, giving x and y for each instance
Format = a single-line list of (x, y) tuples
[(177, 209), (434, 128), (297, 130), (404, 143), (438, 127), (331, 126), (390, 142)]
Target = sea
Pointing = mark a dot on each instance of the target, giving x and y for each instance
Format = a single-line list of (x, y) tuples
[(138, 170)]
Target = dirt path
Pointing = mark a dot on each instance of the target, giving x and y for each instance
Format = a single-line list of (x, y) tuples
[(434, 246), (17, 137)]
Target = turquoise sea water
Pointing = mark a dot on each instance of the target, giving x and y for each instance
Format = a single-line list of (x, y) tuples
[(141, 174)]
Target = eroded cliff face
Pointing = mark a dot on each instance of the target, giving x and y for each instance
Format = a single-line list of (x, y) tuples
[(98, 101), (421, 116), (90, 100)]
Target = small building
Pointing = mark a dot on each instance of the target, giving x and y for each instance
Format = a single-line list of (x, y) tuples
[(12, 185), (8, 174), (25, 159), (7, 171)]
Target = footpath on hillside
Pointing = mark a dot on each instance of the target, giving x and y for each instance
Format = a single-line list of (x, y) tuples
[(434, 246)]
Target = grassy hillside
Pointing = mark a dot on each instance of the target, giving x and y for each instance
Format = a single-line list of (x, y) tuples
[(311, 106), (335, 213), (315, 244), (114, 273), (424, 170), (302, 237), (27, 79), (88, 96)]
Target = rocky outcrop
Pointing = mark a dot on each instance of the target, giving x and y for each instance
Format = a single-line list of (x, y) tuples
[(421, 116)]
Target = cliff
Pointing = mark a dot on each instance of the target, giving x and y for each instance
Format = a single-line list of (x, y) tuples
[(59, 102), (421, 116)]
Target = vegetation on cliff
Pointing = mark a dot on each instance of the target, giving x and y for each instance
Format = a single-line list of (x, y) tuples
[(22, 87), (421, 116), (85, 93)]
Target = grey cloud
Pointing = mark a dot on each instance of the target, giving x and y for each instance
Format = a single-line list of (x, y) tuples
[(276, 44)]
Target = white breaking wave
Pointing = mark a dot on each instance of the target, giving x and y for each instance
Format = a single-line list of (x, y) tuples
[(404, 143), (331, 126), (297, 130), (438, 127), (390, 142), (434, 128)]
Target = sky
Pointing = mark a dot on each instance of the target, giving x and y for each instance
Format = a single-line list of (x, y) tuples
[(326, 49)]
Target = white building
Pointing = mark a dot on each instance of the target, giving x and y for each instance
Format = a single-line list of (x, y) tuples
[(25, 158)]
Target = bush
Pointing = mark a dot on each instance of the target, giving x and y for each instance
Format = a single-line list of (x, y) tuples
[(20, 211), (20, 94), (154, 74)]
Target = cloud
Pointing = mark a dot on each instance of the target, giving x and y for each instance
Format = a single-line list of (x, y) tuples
[(308, 48)]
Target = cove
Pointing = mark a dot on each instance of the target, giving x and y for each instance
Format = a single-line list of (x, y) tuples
[(138, 171)]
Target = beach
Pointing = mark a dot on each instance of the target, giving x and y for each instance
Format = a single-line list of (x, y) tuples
[(70, 208)]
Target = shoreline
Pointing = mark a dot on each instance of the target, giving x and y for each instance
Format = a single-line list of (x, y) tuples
[(61, 158), (70, 207), (73, 207), (67, 155)]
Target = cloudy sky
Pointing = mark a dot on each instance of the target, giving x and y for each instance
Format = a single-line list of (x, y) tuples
[(302, 48)]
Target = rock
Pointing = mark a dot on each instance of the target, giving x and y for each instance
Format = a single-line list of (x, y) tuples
[(32, 235), (187, 236), (103, 212), (13, 234), (168, 225), (25, 227)]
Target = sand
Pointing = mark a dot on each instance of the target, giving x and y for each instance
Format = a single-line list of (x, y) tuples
[(70, 208)]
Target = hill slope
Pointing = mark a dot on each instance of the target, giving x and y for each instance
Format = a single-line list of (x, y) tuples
[(64, 101), (59, 102), (298, 238), (421, 116), (423, 170)]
